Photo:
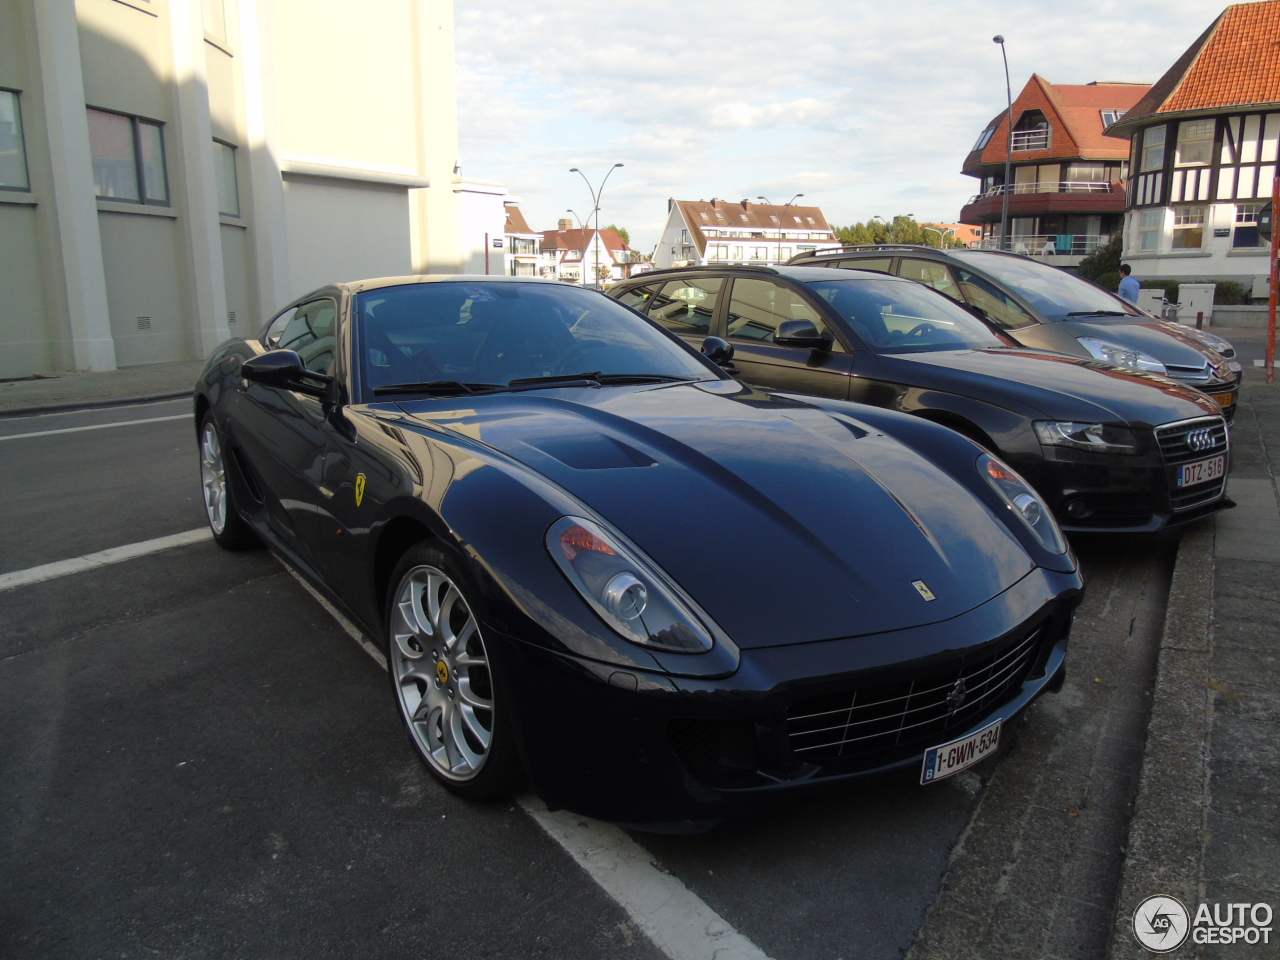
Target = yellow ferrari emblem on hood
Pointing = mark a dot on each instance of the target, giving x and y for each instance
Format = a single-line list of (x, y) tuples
[(359, 488), (922, 588)]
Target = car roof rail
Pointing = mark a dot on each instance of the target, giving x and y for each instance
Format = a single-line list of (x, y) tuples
[(859, 247), (707, 266)]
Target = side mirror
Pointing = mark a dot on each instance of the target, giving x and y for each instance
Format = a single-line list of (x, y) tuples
[(801, 333), (718, 351), (284, 369)]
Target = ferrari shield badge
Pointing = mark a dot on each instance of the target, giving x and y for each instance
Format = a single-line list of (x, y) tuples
[(922, 588), (359, 488)]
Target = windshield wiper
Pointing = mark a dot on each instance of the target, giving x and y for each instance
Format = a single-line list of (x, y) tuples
[(438, 388), (1098, 313), (592, 379)]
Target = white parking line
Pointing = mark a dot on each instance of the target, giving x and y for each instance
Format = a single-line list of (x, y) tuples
[(95, 426), (669, 913), (92, 561), (678, 922)]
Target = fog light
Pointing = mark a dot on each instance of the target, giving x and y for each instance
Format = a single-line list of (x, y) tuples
[(1079, 509)]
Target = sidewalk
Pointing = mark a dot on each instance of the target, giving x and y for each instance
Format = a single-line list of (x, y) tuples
[(1206, 823), (64, 391)]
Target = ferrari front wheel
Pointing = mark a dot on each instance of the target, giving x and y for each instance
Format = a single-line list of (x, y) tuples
[(442, 676), (229, 528)]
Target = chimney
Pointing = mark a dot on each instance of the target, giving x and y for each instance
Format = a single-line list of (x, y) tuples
[(564, 224), (714, 201), (671, 202)]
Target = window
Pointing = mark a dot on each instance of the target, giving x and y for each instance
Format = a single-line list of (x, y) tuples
[(784, 253), (719, 215), (759, 253), (796, 219), (1153, 148), (1150, 226), (984, 138), (743, 216), (931, 274), (718, 252), (1195, 142), (737, 253), (757, 307), (1111, 116), (128, 158), (811, 220), (638, 297), (13, 151), (1246, 230), (1000, 308), (773, 219), (686, 306), (705, 217), (224, 166), (307, 330), (877, 264), (1188, 228)]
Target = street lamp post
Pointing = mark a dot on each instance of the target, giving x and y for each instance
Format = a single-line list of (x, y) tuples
[(781, 218), (595, 203), (1008, 152), (942, 238)]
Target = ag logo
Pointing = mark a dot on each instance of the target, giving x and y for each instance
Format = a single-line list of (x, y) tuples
[(359, 488), (1161, 923)]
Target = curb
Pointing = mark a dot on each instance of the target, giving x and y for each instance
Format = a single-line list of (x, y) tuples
[(1166, 832), (93, 404)]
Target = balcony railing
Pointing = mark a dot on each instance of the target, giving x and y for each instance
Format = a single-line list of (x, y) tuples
[(1030, 140), (1061, 186), (1051, 244)]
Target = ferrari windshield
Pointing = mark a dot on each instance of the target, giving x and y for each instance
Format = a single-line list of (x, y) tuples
[(1054, 293), (894, 316), (460, 336)]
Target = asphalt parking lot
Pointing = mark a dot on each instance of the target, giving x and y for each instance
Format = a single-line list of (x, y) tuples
[(199, 762)]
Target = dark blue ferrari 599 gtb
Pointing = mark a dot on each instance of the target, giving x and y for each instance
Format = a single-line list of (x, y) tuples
[(597, 563)]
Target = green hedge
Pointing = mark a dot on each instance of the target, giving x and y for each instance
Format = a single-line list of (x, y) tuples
[(1227, 293)]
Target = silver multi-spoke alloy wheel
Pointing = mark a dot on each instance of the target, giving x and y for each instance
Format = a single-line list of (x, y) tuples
[(213, 478), (441, 673)]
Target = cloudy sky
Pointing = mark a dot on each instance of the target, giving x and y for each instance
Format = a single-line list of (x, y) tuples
[(864, 107)]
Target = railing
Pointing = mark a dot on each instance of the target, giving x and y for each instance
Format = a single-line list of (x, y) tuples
[(1031, 140), (1050, 186), (1050, 244)]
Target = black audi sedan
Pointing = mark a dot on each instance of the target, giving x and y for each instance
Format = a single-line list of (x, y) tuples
[(1043, 307), (594, 560), (1111, 449)]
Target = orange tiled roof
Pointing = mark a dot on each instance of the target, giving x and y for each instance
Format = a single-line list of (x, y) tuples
[(516, 222), (1234, 62), (1074, 113)]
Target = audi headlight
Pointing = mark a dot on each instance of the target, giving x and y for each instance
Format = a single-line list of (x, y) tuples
[(1121, 356), (1097, 437), (627, 591), (1024, 502)]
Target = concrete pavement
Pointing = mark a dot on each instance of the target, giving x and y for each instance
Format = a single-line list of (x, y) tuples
[(1206, 824)]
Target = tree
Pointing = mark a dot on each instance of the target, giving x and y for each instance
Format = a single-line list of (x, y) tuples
[(902, 229), (1103, 261), (622, 232)]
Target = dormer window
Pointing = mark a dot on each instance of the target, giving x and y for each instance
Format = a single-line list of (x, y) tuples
[(719, 215), (984, 138), (811, 220), (705, 218), (796, 219), (744, 217), (1031, 131), (773, 219), (1111, 116)]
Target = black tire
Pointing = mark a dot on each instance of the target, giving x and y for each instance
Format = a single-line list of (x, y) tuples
[(229, 529), (443, 679)]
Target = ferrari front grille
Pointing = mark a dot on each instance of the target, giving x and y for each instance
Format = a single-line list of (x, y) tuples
[(915, 712)]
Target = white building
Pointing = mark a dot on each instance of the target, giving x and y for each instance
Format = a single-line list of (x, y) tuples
[(522, 243), (588, 257), (1204, 145), (698, 232), (174, 171)]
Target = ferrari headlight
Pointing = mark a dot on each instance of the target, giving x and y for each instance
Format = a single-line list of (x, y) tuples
[(1121, 356), (627, 591), (1024, 502), (1097, 437)]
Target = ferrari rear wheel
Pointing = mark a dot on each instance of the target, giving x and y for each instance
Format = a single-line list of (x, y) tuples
[(443, 678), (229, 529)]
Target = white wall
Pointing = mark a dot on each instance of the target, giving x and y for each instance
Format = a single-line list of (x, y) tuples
[(482, 214)]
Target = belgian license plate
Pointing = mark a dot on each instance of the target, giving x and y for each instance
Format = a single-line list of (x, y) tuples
[(949, 758), (1202, 471), (1225, 400)]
